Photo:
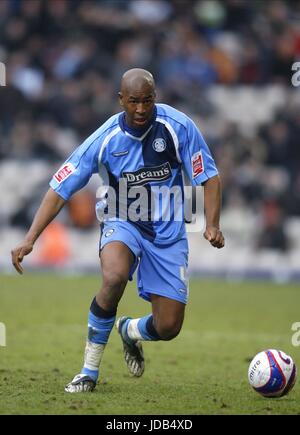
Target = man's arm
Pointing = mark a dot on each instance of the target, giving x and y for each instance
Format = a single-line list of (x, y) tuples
[(212, 210), (51, 205)]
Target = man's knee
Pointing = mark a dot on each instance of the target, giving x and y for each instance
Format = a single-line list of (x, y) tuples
[(114, 280), (111, 291), (168, 329)]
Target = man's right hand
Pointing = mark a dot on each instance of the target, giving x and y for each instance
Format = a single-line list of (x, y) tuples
[(18, 254), (51, 205)]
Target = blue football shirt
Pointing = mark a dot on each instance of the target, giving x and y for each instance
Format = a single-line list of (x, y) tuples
[(154, 161)]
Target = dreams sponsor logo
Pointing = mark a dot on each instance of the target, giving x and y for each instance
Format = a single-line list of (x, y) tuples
[(145, 175)]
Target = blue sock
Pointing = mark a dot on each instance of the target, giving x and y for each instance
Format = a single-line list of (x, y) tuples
[(100, 324), (140, 329)]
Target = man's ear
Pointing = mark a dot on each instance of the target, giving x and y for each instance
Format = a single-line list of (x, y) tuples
[(120, 98)]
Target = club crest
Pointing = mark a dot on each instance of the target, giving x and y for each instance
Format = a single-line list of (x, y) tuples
[(159, 145)]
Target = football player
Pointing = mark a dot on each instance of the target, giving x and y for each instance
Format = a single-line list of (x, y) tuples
[(146, 147)]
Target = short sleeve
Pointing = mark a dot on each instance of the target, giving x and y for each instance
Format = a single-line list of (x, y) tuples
[(77, 170), (196, 156)]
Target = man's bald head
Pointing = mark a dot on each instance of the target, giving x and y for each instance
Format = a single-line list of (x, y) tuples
[(137, 79), (137, 97)]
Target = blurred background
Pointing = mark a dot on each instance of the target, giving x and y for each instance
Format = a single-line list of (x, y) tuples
[(226, 63)]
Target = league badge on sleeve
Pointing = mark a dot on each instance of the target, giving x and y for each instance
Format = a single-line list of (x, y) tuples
[(197, 164), (64, 172)]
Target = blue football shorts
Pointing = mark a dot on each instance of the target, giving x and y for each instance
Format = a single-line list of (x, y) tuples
[(161, 269)]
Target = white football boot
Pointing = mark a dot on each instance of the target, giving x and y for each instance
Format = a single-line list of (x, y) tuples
[(133, 351), (80, 384)]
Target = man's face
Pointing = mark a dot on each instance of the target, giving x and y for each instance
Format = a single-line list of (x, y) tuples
[(138, 105)]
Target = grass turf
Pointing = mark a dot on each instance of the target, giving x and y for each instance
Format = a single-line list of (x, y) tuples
[(202, 371)]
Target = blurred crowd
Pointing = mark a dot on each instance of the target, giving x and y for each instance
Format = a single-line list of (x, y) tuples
[(64, 60)]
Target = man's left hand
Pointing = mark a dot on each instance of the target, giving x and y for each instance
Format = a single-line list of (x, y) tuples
[(215, 237)]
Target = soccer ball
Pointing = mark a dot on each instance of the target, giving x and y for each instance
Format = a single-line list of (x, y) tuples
[(272, 373)]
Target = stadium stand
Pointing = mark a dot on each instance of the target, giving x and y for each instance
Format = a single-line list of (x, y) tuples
[(228, 64)]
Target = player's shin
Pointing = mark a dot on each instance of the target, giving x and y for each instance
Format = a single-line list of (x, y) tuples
[(100, 324)]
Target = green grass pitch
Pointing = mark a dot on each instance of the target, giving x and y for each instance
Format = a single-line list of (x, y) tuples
[(202, 371)]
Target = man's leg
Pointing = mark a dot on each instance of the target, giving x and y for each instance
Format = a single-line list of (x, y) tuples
[(168, 316), (162, 281), (164, 323), (116, 262)]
